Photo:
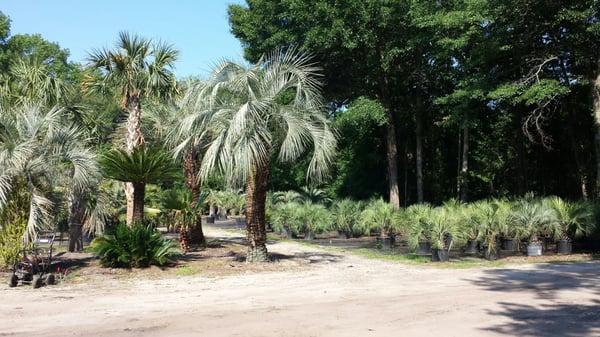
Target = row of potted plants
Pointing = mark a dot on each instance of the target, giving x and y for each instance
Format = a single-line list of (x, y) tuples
[(487, 225)]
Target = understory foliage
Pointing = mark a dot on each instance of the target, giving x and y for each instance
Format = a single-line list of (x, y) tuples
[(137, 246), (11, 243)]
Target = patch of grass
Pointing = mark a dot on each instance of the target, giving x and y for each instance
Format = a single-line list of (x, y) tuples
[(186, 270)]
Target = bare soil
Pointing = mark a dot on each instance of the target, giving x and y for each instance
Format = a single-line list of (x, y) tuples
[(308, 291)]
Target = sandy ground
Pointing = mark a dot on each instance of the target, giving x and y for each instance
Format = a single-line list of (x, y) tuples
[(336, 295)]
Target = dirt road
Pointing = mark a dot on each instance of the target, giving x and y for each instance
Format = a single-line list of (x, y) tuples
[(338, 296)]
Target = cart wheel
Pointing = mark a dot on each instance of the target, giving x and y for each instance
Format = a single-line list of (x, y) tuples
[(50, 279), (13, 281), (36, 282), (27, 277)]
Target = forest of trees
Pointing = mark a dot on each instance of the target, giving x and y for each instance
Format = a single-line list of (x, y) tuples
[(447, 99)]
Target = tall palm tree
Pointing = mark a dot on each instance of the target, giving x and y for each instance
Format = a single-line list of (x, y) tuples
[(255, 114), (142, 166), (138, 69), (45, 157)]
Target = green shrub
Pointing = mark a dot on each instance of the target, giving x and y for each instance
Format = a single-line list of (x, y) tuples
[(11, 243), (138, 246)]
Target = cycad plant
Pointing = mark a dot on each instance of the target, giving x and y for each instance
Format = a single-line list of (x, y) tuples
[(346, 214), (143, 166), (136, 246), (255, 114)]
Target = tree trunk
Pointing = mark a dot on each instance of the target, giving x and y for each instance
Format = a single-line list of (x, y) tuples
[(392, 162), (134, 138), (464, 166), (76, 219), (419, 154), (139, 192), (190, 171), (596, 106), (256, 196)]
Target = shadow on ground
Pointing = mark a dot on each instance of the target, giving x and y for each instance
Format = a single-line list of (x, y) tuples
[(556, 317)]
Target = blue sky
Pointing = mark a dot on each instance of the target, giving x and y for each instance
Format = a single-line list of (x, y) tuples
[(198, 28)]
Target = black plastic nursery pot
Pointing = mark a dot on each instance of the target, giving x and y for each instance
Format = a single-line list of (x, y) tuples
[(534, 249), (344, 235), (386, 242), (209, 219), (509, 244), (440, 255), (424, 248), (564, 246), (309, 235), (472, 247)]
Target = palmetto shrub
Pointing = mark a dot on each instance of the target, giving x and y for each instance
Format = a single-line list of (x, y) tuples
[(137, 246)]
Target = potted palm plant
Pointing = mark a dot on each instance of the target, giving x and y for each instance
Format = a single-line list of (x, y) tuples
[(493, 217), (346, 213), (471, 225), (283, 218), (572, 220), (313, 219), (414, 222), (532, 217), (379, 215), (444, 231)]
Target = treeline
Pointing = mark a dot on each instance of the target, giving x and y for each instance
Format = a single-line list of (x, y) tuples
[(442, 99)]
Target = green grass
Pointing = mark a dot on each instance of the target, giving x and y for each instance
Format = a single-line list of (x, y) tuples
[(186, 270), (413, 259)]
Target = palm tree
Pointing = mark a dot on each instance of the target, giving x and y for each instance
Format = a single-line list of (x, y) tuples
[(255, 114), (138, 69), (45, 157), (143, 166)]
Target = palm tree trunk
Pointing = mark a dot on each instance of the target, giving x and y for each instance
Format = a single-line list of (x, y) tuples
[(190, 171), (139, 192), (419, 154), (134, 138), (256, 196), (76, 218)]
